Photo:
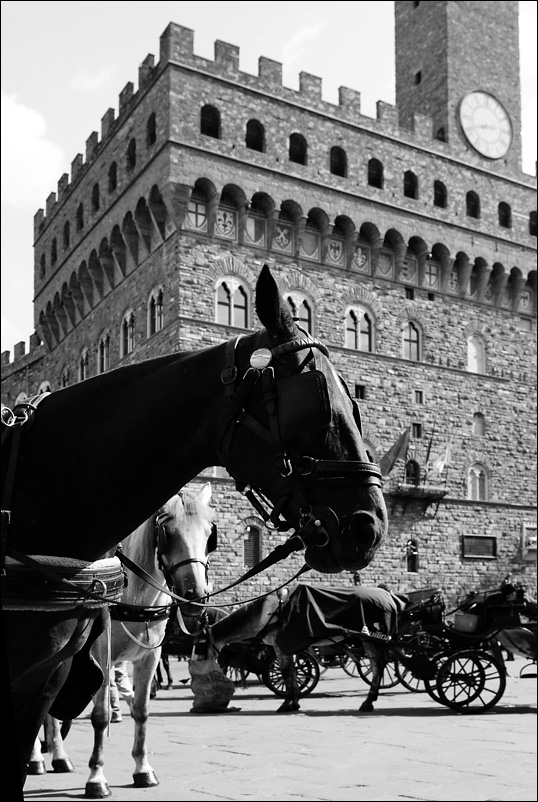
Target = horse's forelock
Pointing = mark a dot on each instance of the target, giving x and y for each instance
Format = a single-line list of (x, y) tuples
[(186, 504)]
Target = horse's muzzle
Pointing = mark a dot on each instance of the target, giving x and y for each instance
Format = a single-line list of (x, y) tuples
[(352, 549)]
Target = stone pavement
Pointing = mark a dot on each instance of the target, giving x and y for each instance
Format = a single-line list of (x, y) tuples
[(410, 748)]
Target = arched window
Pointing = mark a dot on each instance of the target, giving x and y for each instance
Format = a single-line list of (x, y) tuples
[(79, 218), (375, 173), (252, 546), (232, 303), (155, 311), (359, 330), (411, 342), (64, 379), (103, 353), (439, 194), (255, 136), (67, 236), (210, 121), (42, 266), (476, 354), (54, 252), (151, 130), (411, 556), (113, 177), (472, 205), (412, 472), (338, 162), (479, 424), (477, 483), (532, 224), (297, 149), (410, 185), (131, 154), (301, 312), (441, 134), (127, 333), (83, 365), (96, 201), (44, 387), (505, 215)]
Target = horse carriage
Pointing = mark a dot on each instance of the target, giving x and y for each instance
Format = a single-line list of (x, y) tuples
[(386, 640)]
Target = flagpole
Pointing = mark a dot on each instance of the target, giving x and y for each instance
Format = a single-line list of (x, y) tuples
[(428, 454), (450, 460)]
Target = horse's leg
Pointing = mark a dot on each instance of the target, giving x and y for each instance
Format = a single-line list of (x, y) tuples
[(378, 660), (97, 786), (287, 669), (143, 672), (30, 709), (36, 764), (166, 663), (60, 759)]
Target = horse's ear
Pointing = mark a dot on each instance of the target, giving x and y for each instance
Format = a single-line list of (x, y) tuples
[(204, 496), (272, 309)]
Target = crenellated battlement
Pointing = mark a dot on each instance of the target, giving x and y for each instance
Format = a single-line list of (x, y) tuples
[(177, 46), (20, 356)]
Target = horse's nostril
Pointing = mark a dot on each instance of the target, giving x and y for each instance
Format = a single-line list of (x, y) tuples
[(363, 526)]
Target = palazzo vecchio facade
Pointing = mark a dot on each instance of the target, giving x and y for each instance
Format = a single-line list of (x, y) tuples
[(406, 243)]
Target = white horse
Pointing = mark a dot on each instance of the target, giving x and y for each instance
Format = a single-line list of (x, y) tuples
[(172, 547)]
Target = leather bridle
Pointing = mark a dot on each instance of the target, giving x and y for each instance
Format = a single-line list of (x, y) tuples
[(159, 538), (316, 522)]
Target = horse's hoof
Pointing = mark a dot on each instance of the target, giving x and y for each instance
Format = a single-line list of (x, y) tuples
[(36, 767), (97, 791), (290, 707), (145, 779), (62, 765)]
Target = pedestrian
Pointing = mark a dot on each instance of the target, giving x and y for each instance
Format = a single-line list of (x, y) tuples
[(120, 686)]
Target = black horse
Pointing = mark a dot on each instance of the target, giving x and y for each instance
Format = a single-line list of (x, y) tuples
[(268, 406)]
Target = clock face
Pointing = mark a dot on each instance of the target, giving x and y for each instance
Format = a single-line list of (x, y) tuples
[(486, 124)]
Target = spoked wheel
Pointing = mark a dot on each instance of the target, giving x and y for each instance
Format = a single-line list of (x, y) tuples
[(470, 682), (237, 675), (364, 671), (349, 664), (409, 680), (307, 672)]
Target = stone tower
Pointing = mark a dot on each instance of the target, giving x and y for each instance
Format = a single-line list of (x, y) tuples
[(447, 52)]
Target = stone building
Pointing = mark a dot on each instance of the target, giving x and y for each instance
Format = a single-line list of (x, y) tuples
[(406, 242)]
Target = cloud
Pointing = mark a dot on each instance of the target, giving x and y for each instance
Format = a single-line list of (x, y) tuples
[(85, 81), (31, 163), (295, 47)]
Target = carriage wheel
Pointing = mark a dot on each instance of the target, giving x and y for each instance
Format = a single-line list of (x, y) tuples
[(409, 680), (364, 670), (470, 682), (306, 669), (415, 684), (349, 664)]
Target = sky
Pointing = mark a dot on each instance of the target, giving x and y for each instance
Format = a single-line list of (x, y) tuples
[(64, 65)]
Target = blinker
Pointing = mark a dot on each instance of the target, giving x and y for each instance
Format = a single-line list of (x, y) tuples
[(261, 358)]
